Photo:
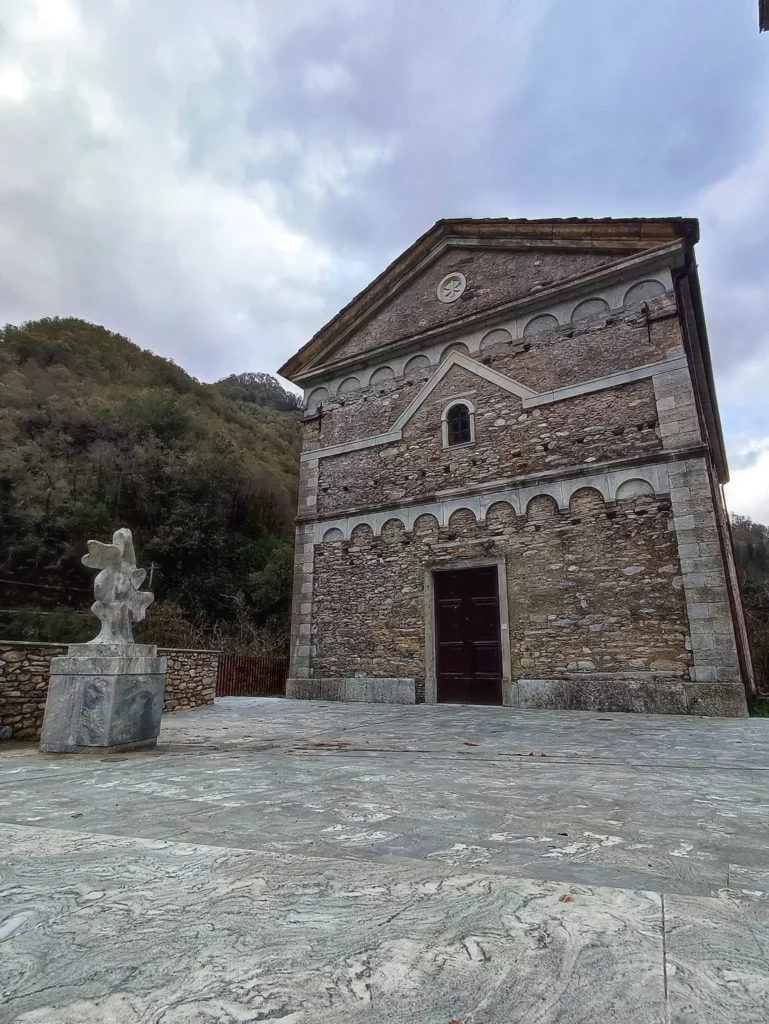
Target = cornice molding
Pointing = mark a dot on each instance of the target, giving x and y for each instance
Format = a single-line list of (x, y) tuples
[(481, 490), (604, 477)]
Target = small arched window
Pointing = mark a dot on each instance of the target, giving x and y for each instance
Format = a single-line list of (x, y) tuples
[(458, 425)]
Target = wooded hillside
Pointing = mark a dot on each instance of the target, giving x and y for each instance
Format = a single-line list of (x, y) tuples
[(97, 434), (751, 546)]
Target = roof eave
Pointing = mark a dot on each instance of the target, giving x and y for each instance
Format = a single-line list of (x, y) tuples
[(645, 231), (696, 335), (673, 255)]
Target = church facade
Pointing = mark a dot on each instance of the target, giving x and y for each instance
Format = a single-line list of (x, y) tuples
[(511, 479)]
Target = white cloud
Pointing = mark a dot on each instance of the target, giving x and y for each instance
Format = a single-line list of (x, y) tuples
[(734, 212), (740, 200), (14, 85), (216, 179), (329, 169), (744, 413), (56, 20), (326, 79), (134, 207), (178, 167), (747, 493)]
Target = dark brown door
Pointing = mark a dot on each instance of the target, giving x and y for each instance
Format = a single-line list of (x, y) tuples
[(468, 652)]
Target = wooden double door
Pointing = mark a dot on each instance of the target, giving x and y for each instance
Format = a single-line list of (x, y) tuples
[(468, 651)]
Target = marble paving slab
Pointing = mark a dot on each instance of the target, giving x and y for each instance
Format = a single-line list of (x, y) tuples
[(309, 863), (98, 928), (717, 960), (618, 738), (668, 829)]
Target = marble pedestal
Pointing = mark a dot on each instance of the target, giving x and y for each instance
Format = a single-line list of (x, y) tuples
[(104, 697)]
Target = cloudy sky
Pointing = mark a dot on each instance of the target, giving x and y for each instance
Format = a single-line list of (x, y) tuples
[(215, 178)]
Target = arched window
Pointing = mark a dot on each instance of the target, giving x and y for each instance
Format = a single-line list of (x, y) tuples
[(458, 425)]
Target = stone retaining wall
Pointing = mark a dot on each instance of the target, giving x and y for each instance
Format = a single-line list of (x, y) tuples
[(25, 667), (190, 678)]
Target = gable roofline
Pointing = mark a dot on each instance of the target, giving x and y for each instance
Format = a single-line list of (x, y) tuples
[(395, 432), (673, 254), (605, 233)]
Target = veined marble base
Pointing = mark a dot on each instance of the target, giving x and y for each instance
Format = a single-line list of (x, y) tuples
[(366, 689), (650, 695), (104, 698), (101, 928)]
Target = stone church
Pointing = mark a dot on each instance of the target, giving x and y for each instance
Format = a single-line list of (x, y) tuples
[(511, 479)]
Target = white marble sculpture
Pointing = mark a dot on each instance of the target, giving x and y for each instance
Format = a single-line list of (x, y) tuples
[(107, 694), (119, 602)]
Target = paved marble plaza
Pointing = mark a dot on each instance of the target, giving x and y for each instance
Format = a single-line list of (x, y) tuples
[(311, 863)]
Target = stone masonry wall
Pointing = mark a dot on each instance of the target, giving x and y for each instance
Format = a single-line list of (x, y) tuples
[(596, 589), (25, 668), (637, 592), (24, 671), (494, 276), (190, 678), (560, 357), (611, 424)]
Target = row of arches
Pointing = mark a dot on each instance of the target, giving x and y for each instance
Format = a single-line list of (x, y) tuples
[(592, 308), (414, 367), (418, 365), (583, 500)]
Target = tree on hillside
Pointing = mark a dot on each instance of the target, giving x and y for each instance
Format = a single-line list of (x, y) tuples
[(259, 388), (751, 549)]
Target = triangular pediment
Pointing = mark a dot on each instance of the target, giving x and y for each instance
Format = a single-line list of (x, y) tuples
[(502, 381), (503, 261), (484, 279)]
